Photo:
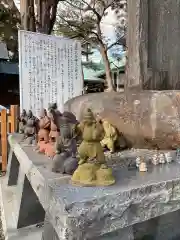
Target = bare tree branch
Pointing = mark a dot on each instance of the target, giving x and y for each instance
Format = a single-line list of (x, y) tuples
[(90, 8), (115, 43)]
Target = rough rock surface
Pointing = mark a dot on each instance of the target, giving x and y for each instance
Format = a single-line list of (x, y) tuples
[(147, 119), (99, 213), (89, 212)]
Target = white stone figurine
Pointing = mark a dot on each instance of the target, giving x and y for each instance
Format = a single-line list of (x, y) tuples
[(178, 155), (162, 158), (138, 161), (143, 167), (168, 157), (155, 159)]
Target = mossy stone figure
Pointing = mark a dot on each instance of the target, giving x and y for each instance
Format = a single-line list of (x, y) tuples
[(91, 170)]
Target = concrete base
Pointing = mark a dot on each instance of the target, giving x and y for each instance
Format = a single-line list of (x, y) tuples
[(136, 207), (8, 215)]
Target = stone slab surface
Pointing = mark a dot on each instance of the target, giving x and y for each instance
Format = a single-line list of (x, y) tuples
[(133, 199), (91, 212), (8, 216)]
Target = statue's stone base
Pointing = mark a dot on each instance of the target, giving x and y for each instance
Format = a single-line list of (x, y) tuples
[(50, 150), (138, 205)]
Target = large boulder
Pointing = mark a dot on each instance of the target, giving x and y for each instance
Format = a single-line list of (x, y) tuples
[(147, 119)]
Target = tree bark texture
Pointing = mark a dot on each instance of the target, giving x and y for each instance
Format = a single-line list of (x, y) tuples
[(46, 15), (153, 44), (107, 66)]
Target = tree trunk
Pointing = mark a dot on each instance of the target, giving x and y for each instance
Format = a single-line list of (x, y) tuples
[(31, 16), (153, 48), (46, 15), (48, 10), (104, 55)]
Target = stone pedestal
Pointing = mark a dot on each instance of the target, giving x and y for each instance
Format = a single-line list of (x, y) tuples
[(138, 205)]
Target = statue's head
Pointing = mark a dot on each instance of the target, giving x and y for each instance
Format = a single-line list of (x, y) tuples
[(43, 112), (51, 113), (30, 114), (105, 122), (24, 112), (52, 106), (88, 117), (69, 116)]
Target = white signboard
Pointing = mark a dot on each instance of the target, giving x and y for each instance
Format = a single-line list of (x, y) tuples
[(50, 70)]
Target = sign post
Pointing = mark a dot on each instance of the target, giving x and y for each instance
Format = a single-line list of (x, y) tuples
[(50, 70)]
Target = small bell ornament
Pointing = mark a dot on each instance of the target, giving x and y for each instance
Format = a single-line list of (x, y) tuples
[(162, 158), (168, 157)]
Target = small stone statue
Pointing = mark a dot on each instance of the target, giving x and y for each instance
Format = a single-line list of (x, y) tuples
[(54, 132), (155, 159), (92, 169), (30, 130), (65, 160), (168, 157), (44, 125), (138, 161), (110, 137), (178, 155), (22, 121), (162, 158), (143, 166)]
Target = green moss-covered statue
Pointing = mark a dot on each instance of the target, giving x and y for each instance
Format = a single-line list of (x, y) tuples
[(92, 170), (110, 137)]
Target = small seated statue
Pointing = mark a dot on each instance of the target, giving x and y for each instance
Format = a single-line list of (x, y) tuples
[(111, 136), (54, 115), (65, 160), (92, 169), (22, 121), (44, 125), (30, 130)]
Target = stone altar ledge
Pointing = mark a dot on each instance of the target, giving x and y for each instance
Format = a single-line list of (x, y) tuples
[(133, 199), (94, 212)]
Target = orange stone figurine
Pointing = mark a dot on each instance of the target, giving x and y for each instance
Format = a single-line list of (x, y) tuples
[(44, 125), (54, 132)]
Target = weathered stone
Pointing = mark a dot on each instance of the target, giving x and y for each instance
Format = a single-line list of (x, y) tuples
[(147, 119), (76, 213), (98, 211)]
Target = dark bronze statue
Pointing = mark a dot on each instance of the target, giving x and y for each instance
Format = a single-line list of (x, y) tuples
[(53, 106), (30, 130), (65, 159), (22, 121)]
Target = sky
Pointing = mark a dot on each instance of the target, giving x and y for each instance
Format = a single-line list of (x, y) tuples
[(107, 25), (107, 28)]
